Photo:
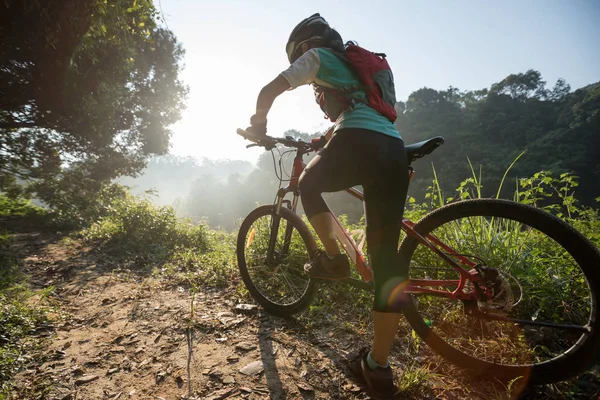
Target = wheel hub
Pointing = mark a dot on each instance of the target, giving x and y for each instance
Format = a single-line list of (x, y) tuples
[(498, 297)]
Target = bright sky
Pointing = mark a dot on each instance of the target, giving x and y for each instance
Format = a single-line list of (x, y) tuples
[(235, 47)]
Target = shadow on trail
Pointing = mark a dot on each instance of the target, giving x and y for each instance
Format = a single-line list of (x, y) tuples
[(268, 357), (265, 330)]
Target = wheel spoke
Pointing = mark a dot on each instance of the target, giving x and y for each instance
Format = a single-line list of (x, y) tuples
[(279, 280)]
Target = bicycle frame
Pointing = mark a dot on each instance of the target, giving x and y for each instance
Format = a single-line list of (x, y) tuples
[(414, 286)]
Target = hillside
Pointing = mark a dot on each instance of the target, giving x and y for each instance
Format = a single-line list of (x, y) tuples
[(557, 130)]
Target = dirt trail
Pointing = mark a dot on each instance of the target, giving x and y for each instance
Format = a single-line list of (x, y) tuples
[(127, 338), (120, 333)]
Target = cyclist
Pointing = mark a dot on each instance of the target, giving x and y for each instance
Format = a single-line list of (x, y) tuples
[(363, 148)]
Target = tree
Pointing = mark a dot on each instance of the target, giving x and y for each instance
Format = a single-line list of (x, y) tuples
[(85, 85), (521, 86), (560, 90), (558, 128)]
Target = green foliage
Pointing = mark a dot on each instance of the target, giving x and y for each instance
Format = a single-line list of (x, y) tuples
[(8, 263), (553, 194), (87, 85), (415, 381), (76, 201), (557, 128), (557, 196), (130, 226), (214, 266), (19, 207), (18, 322), (20, 319)]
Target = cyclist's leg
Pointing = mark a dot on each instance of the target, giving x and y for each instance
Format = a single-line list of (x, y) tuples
[(384, 202), (335, 168)]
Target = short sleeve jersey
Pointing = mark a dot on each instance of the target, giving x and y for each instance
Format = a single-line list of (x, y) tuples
[(319, 66)]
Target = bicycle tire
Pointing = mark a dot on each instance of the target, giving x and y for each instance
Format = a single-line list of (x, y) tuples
[(283, 310), (579, 357)]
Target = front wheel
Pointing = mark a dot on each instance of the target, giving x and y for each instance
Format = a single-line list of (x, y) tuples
[(271, 252), (541, 321)]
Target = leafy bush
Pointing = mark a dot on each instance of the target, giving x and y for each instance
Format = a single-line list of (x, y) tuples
[(78, 203), (557, 196), (131, 225), (18, 206)]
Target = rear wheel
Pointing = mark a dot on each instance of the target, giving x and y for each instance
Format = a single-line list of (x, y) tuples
[(271, 252), (539, 269)]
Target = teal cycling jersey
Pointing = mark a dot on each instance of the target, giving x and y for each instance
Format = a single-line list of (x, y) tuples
[(320, 67)]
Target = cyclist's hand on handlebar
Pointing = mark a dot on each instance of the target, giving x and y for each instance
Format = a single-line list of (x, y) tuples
[(258, 132), (258, 126), (258, 139), (318, 143)]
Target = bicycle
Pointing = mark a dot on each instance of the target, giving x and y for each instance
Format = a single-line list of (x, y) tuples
[(499, 288)]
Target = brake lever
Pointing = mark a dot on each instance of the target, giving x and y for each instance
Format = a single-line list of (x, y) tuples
[(252, 145)]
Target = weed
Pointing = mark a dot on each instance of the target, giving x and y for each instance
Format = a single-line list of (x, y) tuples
[(19, 323)]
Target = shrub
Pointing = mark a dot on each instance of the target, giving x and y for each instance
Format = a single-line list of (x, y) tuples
[(132, 225), (80, 205), (18, 206)]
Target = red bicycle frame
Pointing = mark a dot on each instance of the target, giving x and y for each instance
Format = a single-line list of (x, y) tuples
[(461, 264)]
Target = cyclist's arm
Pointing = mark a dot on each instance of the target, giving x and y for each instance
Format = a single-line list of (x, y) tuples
[(329, 133), (303, 71), (266, 97)]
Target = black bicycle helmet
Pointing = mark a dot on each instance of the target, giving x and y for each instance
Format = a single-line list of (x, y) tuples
[(311, 29)]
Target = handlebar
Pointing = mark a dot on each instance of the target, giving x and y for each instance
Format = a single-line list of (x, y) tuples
[(269, 142)]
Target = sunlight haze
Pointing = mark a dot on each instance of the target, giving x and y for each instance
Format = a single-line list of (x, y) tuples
[(234, 48)]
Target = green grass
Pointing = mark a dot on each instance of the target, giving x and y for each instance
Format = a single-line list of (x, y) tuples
[(212, 265), (21, 319), (415, 381)]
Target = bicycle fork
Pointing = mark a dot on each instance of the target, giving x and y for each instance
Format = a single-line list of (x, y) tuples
[(275, 221)]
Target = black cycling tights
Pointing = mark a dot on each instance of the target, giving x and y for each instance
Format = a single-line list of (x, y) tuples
[(378, 163)]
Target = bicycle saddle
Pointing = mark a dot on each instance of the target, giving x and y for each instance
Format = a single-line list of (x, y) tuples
[(421, 149)]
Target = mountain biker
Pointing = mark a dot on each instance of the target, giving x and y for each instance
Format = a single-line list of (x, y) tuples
[(363, 148)]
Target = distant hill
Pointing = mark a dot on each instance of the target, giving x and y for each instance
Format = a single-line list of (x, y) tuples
[(172, 177), (558, 129)]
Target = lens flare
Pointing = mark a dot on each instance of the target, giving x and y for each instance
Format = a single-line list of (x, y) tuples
[(397, 295), (250, 237)]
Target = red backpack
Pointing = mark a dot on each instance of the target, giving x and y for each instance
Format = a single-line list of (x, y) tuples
[(377, 80)]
